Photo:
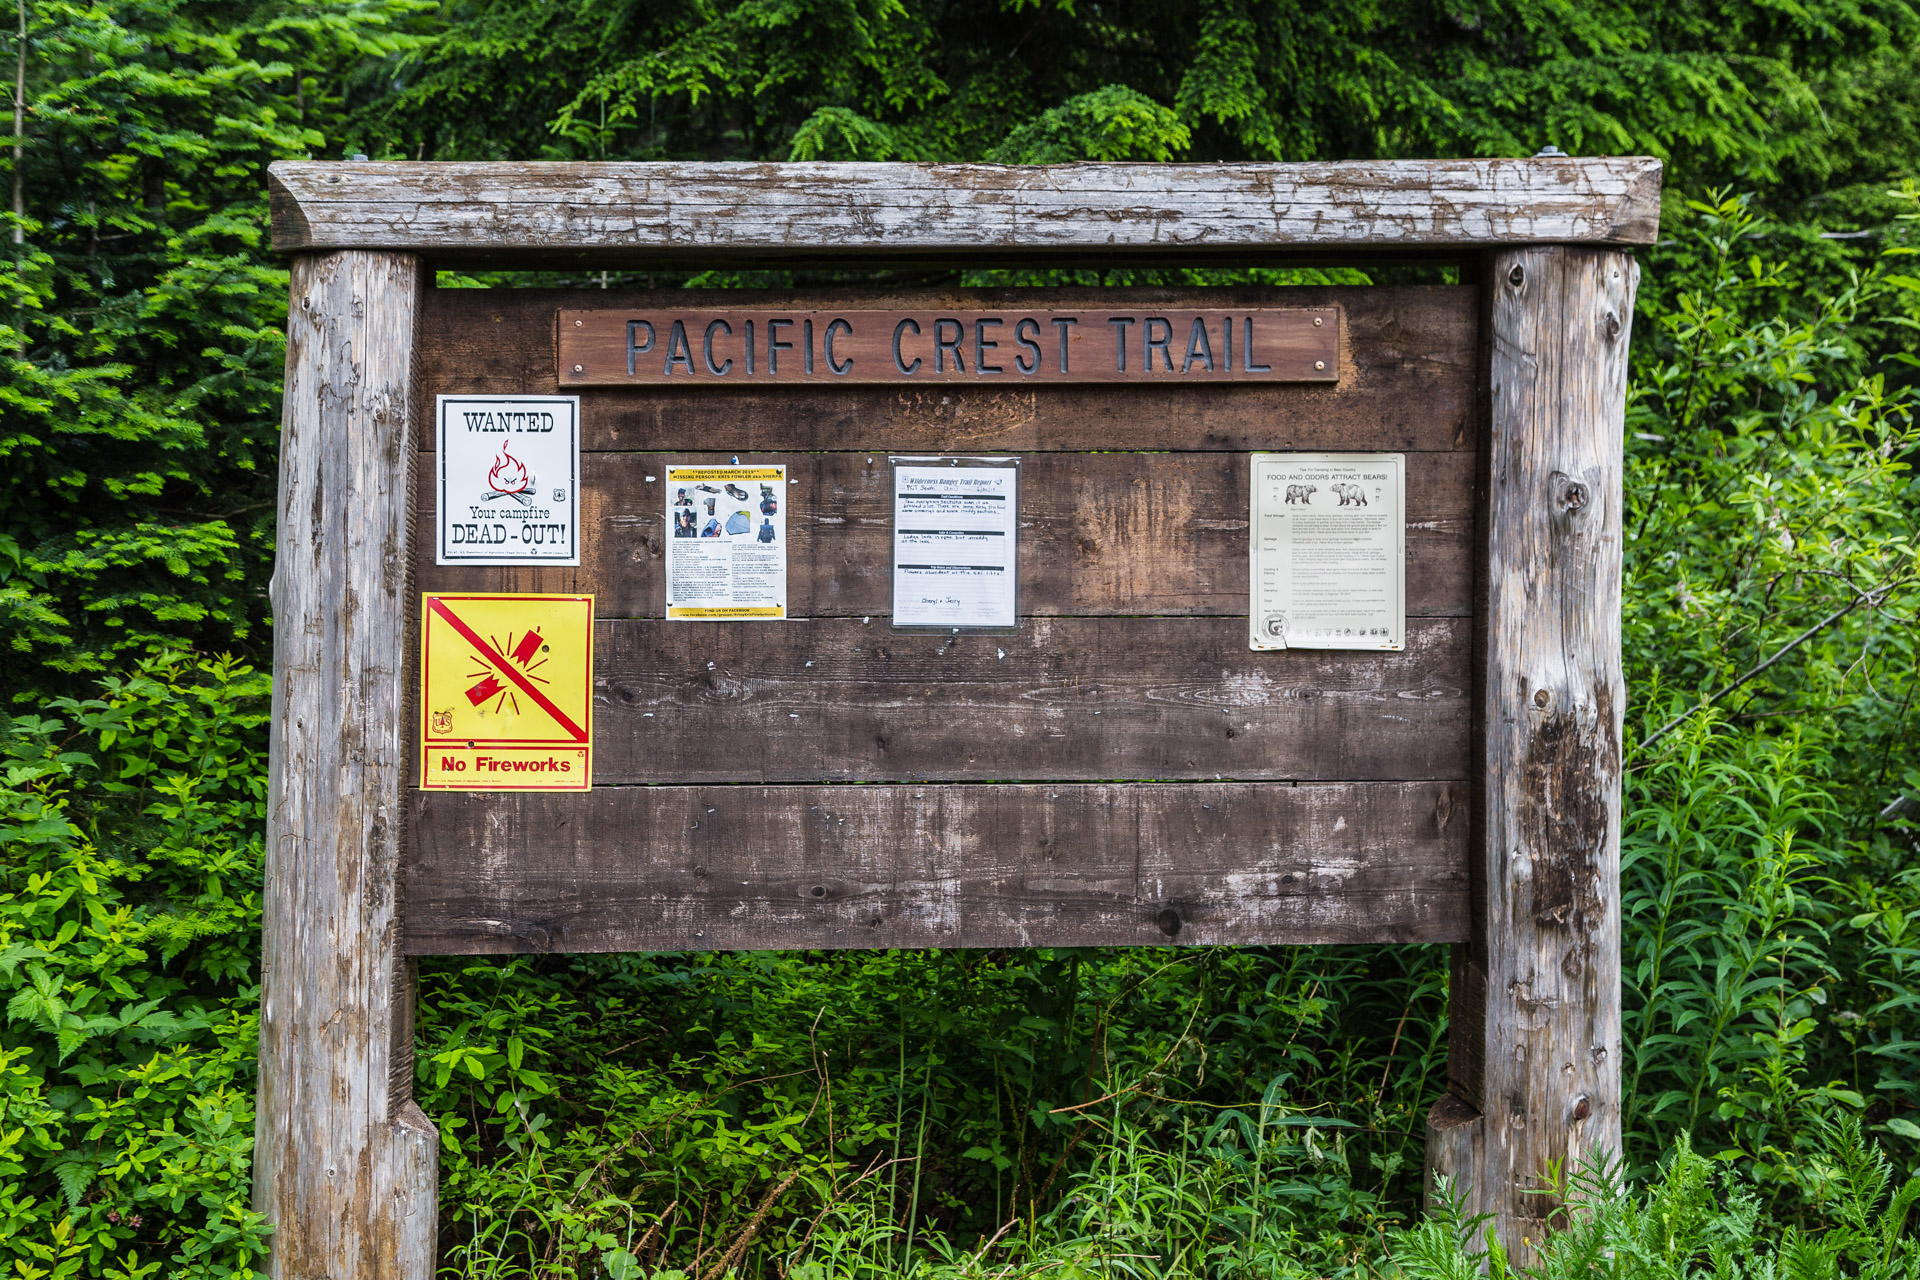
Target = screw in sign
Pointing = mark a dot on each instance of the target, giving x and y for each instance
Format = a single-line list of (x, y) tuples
[(506, 693)]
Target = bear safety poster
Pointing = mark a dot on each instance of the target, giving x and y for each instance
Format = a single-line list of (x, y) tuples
[(726, 543), (1329, 551)]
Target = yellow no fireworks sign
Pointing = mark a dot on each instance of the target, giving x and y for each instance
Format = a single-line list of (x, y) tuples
[(506, 693)]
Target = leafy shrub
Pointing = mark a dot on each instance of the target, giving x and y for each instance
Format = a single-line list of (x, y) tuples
[(129, 927), (930, 1098)]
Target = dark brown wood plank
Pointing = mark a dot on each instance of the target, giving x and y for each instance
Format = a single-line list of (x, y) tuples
[(700, 212), (1114, 533), (705, 868), (1068, 698), (1408, 375)]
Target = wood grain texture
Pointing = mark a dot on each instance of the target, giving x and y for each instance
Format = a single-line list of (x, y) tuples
[(702, 868), (678, 212), (1537, 990), (1066, 698), (345, 1164), (1408, 360), (704, 348), (1456, 1142), (1109, 533)]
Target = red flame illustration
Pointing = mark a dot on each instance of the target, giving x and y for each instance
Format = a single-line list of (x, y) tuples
[(509, 474)]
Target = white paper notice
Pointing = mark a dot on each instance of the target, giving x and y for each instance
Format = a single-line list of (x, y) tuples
[(956, 543), (1329, 547), (508, 488), (726, 543)]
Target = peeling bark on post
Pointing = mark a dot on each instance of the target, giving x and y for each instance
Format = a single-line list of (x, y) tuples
[(1534, 1058), (346, 1164)]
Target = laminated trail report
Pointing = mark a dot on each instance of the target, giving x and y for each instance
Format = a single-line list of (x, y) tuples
[(726, 543), (956, 534), (1329, 551)]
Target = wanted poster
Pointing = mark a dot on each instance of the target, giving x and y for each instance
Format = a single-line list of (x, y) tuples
[(726, 543), (508, 480), (1328, 541)]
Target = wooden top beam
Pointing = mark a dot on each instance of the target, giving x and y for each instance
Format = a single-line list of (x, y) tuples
[(694, 213)]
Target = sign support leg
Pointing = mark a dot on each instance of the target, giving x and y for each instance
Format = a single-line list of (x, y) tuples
[(1534, 1054), (345, 1164)]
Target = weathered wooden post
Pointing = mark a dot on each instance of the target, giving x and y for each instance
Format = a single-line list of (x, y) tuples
[(345, 1164), (1534, 1051), (1402, 727)]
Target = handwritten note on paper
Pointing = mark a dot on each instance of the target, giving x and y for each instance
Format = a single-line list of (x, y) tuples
[(956, 543)]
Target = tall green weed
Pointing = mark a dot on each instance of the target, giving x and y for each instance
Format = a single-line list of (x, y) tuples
[(1696, 1218)]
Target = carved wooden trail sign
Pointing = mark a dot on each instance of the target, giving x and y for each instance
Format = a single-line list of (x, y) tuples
[(979, 346), (1140, 758)]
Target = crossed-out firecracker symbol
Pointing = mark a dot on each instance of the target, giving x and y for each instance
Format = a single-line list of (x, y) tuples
[(489, 687)]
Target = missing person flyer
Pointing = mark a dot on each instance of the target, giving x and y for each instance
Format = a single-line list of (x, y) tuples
[(956, 527), (726, 543)]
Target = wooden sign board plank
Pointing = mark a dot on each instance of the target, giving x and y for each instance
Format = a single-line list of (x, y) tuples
[(843, 699), (1134, 667), (1102, 533), (713, 347), (923, 865)]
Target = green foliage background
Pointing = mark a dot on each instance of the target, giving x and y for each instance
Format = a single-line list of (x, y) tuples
[(1218, 1112)]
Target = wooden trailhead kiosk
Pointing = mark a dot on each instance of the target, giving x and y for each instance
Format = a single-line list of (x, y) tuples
[(615, 620)]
